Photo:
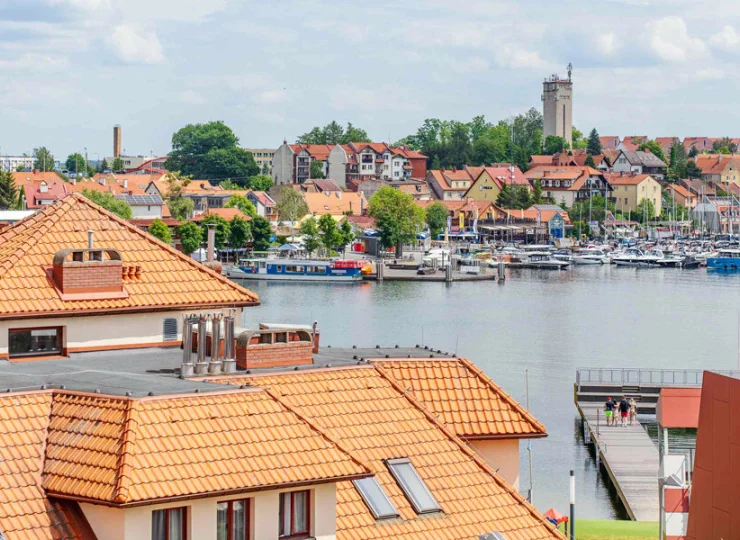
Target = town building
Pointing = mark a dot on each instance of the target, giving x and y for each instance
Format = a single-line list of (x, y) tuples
[(335, 203), (630, 189), (41, 194), (94, 282), (666, 143), (354, 162), (557, 101), (132, 163), (450, 184), (698, 187), (489, 181), (610, 142), (263, 157), (632, 142), (682, 196), (150, 166), (144, 206), (569, 185), (13, 163), (263, 204), (640, 163), (699, 144), (720, 169), (291, 163), (319, 185)]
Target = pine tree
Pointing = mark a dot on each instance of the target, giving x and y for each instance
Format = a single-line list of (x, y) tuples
[(590, 161), (9, 196), (594, 144)]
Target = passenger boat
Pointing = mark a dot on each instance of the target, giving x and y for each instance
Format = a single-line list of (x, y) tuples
[(590, 256), (298, 270), (727, 260)]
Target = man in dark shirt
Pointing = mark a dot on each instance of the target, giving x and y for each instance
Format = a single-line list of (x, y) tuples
[(609, 407), (624, 410)]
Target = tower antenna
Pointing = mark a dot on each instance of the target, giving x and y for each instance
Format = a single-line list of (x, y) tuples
[(570, 71)]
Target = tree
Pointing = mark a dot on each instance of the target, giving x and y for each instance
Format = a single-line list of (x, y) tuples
[(310, 232), (43, 159), (514, 197), (317, 169), (346, 235), (243, 204), (333, 134), (436, 218), (328, 232), (593, 147), (693, 152), (20, 168), (108, 201), (191, 237), (678, 160), (459, 146), (75, 163), (260, 182), (654, 148), (577, 138), (290, 205), (537, 192), (210, 151), (103, 166), (354, 134), (261, 233), (229, 185), (10, 195), (117, 166), (222, 229), (645, 211), (239, 232), (179, 206), (158, 229), (555, 144), (397, 216), (693, 170), (590, 161), (593, 209)]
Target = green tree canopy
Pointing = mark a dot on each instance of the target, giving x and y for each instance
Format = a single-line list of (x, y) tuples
[(261, 233), (677, 160), (654, 148), (260, 182), (578, 140), (436, 214), (290, 205), (108, 201), (346, 234), (555, 144), (398, 218), (210, 151), (593, 147), (239, 232), (117, 166), (222, 229), (191, 237), (590, 161), (310, 232), (243, 204), (333, 134), (328, 232), (160, 230), (179, 206), (645, 211), (593, 208), (317, 169), (103, 166), (537, 192), (514, 197), (10, 195), (75, 163), (43, 160), (693, 170)]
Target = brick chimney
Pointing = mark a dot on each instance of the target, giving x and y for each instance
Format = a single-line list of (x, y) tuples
[(90, 273), (276, 346)]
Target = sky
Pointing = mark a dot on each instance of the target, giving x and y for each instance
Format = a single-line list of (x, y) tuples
[(71, 69)]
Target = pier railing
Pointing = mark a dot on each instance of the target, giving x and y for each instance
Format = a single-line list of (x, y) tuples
[(654, 377)]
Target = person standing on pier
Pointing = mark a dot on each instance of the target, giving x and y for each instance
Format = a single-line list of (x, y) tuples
[(609, 407), (624, 410), (633, 410)]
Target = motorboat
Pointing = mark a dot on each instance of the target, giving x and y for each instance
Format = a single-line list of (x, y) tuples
[(590, 256), (628, 257), (563, 255), (543, 260), (727, 260)]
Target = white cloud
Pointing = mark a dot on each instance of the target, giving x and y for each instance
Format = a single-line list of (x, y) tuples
[(270, 97), (86, 5), (711, 74), (607, 43), (671, 41), (133, 45), (191, 97), (513, 56), (727, 39)]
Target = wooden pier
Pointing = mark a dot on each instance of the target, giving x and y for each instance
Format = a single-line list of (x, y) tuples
[(629, 457)]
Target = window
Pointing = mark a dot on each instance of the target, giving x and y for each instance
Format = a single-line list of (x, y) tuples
[(232, 520), (375, 498), (294, 514), (413, 486), (169, 331), (170, 524), (35, 342)]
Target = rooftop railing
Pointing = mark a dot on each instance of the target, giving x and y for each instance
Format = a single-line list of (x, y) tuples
[(654, 377)]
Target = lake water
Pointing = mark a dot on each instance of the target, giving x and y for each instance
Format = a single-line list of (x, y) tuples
[(548, 323)]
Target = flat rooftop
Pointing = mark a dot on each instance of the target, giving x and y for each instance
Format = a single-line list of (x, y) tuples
[(156, 371)]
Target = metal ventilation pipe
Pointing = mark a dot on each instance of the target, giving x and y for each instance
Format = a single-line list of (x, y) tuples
[(90, 239), (215, 365), (201, 365), (229, 363), (187, 346)]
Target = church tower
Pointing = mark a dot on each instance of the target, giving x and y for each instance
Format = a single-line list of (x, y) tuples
[(557, 99)]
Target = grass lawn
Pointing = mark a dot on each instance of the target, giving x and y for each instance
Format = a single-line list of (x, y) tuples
[(615, 530)]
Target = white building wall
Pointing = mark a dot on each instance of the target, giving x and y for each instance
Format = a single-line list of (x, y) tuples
[(147, 212), (282, 165), (136, 523), (501, 454), (337, 166), (11, 163)]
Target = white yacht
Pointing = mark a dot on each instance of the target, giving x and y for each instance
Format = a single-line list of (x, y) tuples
[(590, 256)]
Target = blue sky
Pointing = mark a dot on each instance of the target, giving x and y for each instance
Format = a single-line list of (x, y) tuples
[(272, 70)]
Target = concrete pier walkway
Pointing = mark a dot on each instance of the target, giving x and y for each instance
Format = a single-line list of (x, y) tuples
[(629, 457)]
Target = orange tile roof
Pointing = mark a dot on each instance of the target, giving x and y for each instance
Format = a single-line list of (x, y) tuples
[(169, 279), (334, 204), (617, 179), (23, 178), (680, 190), (227, 213), (319, 152), (376, 420), (25, 511), (465, 399), (128, 451)]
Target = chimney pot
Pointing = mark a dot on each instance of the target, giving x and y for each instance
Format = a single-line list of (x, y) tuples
[(90, 239)]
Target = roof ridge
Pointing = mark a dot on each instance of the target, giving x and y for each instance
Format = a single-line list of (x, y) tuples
[(120, 491), (317, 429), (468, 451), (502, 393)]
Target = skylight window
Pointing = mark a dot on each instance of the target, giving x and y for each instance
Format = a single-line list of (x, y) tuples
[(375, 498), (413, 486)]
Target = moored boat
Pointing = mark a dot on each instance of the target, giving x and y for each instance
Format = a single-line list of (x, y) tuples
[(298, 270), (727, 260)]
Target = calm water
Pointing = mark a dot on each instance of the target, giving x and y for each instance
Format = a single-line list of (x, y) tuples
[(549, 323)]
